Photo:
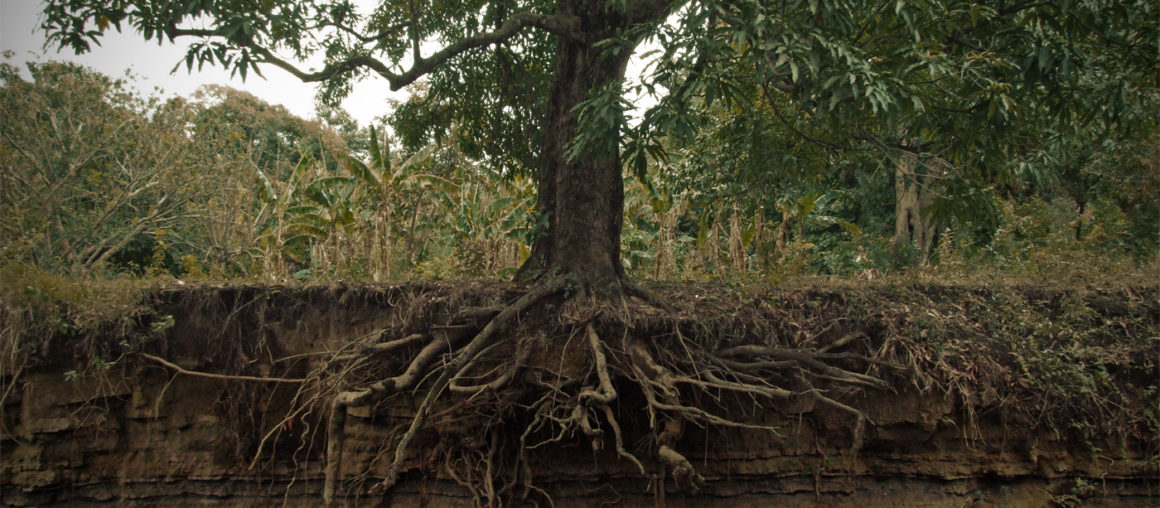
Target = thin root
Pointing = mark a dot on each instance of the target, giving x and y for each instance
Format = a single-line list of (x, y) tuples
[(465, 355)]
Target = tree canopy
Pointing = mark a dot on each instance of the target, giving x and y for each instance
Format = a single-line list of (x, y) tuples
[(966, 89)]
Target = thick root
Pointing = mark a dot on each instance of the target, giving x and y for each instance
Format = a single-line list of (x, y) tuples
[(369, 395), (583, 400), (412, 376), (606, 392), (807, 359), (456, 386), (465, 356), (685, 476)]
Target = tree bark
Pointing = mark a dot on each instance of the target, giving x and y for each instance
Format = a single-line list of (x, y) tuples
[(581, 202)]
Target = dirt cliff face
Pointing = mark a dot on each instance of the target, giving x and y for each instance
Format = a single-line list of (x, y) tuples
[(133, 430)]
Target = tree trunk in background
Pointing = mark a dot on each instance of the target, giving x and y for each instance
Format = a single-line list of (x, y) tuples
[(912, 193)]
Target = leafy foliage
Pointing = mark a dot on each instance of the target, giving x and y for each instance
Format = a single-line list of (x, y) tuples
[(87, 172), (260, 193), (959, 106)]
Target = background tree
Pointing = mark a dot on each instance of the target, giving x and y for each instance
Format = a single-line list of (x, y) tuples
[(948, 96), (88, 177), (240, 141)]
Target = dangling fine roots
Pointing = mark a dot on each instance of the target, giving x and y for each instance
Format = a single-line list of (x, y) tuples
[(506, 387), (377, 391)]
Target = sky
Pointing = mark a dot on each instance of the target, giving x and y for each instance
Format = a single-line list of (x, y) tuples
[(152, 63), (20, 33)]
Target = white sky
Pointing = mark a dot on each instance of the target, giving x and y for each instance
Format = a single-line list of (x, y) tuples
[(118, 52), (152, 63)]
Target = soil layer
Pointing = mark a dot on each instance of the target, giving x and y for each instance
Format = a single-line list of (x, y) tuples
[(982, 402)]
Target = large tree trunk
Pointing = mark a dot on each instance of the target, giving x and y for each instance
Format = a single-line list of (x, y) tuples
[(581, 200)]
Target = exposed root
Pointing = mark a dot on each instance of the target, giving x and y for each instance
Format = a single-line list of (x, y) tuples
[(649, 297), (841, 342), (569, 403), (454, 385), (506, 387), (581, 418), (227, 377), (452, 369), (684, 474), (809, 360), (384, 347), (589, 399), (607, 393), (369, 395), (619, 439), (860, 418), (334, 440)]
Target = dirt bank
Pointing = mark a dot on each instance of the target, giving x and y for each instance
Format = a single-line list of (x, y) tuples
[(1003, 396)]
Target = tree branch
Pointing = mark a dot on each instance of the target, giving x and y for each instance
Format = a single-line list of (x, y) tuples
[(562, 26)]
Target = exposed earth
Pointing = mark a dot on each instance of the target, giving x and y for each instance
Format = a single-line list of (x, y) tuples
[(818, 394)]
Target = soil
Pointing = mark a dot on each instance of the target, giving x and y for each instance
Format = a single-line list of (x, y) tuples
[(953, 408)]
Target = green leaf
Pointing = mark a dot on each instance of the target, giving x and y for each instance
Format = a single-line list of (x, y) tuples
[(434, 181), (850, 227), (324, 190), (302, 210), (703, 229), (747, 235), (419, 158), (1045, 58), (380, 157), (360, 170)]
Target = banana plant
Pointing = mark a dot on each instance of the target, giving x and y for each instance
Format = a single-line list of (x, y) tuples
[(308, 219), (274, 240), (338, 220), (643, 213), (800, 211), (383, 188), (490, 221)]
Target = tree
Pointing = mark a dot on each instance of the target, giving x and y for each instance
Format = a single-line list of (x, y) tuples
[(580, 196), (960, 89), (537, 86), (88, 173)]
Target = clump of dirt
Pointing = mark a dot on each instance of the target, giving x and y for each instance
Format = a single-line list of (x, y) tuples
[(498, 394)]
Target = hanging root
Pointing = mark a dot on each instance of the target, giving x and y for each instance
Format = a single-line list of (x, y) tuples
[(456, 386), (560, 404), (813, 366), (366, 396), (809, 360), (416, 371), (748, 370), (600, 398), (606, 393), (659, 387), (684, 475)]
